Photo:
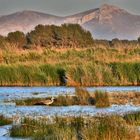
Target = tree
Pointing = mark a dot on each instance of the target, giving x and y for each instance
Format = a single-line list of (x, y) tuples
[(16, 39), (66, 35), (3, 42), (75, 36)]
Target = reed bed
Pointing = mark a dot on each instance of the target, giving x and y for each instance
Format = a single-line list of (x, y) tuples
[(82, 67), (25, 75), (81, 97), (76, 128)]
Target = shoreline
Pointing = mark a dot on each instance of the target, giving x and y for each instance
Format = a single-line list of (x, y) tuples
[(50, 85)]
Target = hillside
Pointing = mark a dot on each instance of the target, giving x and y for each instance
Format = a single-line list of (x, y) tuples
[(106, 22), (25, 21)]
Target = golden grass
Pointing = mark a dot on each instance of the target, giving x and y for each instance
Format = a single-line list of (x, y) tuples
[(96, 70), (101, 99), (75, 128)]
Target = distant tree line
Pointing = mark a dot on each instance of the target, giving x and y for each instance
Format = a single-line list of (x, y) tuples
[(66, 36), (115, 43)]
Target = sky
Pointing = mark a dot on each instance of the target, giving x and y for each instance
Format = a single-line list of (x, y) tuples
[(64, 7)]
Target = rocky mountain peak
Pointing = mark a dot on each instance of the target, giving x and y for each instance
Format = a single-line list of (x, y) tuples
[(105, 22), (107, 9), (106, 12)]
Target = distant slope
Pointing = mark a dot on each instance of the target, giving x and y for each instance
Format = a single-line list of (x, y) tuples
[(25, 21), (106, 22)]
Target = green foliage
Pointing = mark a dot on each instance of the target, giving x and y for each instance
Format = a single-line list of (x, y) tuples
[(126, 72), (67, 35), (100, 62), (64, 36), (62, 76), (16, 39), (28, 75), (83, 75), (2, 42)]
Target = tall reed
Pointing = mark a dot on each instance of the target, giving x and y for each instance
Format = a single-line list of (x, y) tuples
[(75, 128), (101, 99)]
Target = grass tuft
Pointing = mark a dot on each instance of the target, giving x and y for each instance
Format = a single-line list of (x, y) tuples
[(133, 118), (83, 95), (102, 99)]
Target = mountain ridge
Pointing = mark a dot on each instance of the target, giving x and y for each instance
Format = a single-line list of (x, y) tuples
[(106, 22)]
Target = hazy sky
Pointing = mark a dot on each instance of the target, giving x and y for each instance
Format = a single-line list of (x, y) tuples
[(64, 7)]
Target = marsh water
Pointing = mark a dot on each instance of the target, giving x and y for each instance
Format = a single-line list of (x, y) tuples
[(11, 93), (10, 109)]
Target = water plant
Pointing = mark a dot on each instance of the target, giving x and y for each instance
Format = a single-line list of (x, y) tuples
[(81, 97), (4, 120), (72, 67), (133, 118), (101, 99), (75, 128)]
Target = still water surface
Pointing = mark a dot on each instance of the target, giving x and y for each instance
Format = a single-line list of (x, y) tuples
[(23, 92), (11, 93)]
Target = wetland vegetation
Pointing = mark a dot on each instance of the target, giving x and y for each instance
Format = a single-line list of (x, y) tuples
[(83, 97), (4, 120), (75, 128), (67, 55)]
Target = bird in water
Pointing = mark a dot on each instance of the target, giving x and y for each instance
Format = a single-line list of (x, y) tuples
[(49, 101), (46, 102)]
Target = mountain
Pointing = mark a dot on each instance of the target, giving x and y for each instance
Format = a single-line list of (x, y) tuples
[(26, 21), (106, 22)]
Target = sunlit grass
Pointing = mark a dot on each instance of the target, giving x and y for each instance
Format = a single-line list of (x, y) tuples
[(83, 67), (101, 99), (75, 128), (133, 118)]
